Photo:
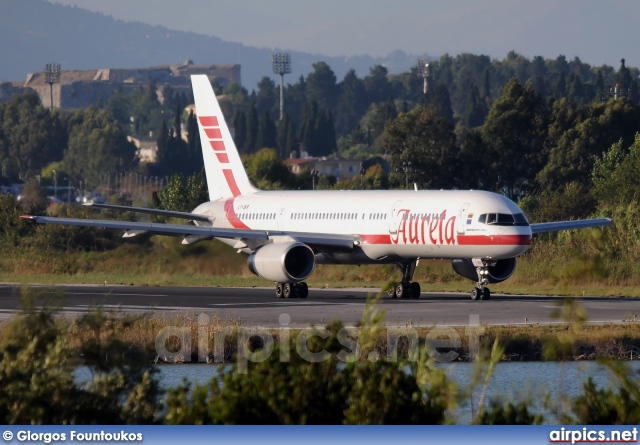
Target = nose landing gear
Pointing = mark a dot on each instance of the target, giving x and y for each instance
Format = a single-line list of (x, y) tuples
[(481, 292)]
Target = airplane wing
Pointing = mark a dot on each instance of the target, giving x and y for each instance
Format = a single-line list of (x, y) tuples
[(344, 242), (568, 225), (169, 213)]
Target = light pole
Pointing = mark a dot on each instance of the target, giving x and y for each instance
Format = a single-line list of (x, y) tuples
[(406, 168), (51, 76), (314, 175), (616, 92), (55, 184), (281, 64), (424, 71)]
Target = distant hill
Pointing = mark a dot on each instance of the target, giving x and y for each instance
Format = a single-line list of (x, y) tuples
[(35, 32)]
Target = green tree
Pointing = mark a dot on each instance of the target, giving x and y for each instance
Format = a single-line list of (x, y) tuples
[(252, 129), (119, 107), (377, 85), (38, 366), (266, 133), (267, 172), (476, 111), (321, 86), (184, 194), (193, 139), (147, 110), (30, 136), (285, 129), (299, 391), (596, 127), (560, 87), (599, 87), (425, 139), (439, 98), (240, 129), (623, 76), (615, 174), (514, 132), (267, 96), (295, 99), (308, 134), (97, 144), (352, 103), (475, 161)]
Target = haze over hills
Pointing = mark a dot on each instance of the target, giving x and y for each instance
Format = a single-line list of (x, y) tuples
[(35, 32)]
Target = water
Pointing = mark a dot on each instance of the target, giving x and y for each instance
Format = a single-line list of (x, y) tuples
[(515, 381)]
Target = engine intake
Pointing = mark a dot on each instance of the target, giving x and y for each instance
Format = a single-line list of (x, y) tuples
[(499, 272), (282, 262)]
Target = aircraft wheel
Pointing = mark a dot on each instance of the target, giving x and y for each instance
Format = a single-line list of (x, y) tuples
[(303, 290), (392, 292), (486, 294), (475, 293), (402, 290), (288, 291), (279, 290), (414, 290)]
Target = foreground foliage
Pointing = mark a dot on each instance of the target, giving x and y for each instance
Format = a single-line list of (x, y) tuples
[(40, 357)]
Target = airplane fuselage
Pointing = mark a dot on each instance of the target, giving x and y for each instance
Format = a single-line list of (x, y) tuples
[(391, 225)]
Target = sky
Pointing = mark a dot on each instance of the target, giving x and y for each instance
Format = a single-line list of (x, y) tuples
[(597, 31)]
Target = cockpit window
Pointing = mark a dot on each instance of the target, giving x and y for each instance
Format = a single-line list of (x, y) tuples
[(503, 219)]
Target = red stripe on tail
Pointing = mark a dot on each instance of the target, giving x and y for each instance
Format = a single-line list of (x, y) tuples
[(223, 158), (217, 145), (231, 182), (208, 121), (213, 133)]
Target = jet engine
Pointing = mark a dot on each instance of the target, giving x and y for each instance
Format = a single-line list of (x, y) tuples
[(282, 262), (500, 271)]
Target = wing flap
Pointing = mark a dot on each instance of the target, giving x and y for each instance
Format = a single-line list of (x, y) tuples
[(568, 225)]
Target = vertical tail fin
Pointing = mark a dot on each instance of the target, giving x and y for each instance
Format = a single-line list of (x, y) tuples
[(226, 176)]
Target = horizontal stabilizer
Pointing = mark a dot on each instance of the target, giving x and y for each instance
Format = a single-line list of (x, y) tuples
[(167, 213)]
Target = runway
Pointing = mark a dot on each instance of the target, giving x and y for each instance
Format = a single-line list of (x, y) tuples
[(260, 307)]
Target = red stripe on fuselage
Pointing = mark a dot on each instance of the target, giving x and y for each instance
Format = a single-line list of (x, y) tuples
[(208, 121), (231, 182), (494, 240), (462, 240), (231, 215), (376, 239)]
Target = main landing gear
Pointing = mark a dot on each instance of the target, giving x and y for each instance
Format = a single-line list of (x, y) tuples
[(406, 288), (481, 292), (292, 290)]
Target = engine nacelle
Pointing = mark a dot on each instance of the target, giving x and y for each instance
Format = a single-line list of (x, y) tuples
[(282, 262), (502, 270)]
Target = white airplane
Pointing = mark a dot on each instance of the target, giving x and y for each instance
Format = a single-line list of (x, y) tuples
[(286, 233)]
